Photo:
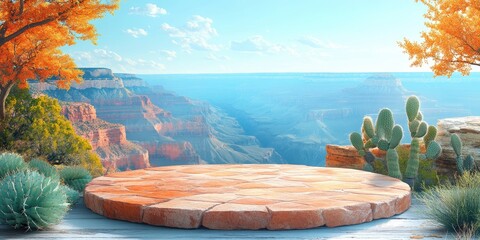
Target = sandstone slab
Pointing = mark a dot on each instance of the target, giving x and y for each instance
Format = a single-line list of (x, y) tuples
[(258, 196)]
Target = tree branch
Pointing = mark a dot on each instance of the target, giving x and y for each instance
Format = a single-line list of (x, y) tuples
[(23, 29)]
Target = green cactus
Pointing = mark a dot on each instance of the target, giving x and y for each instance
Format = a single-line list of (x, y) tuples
[(44, 168), (75, 177), (434, 150), (422, 130), (368, 128), (430, 136), (11, 163), (412, 107), (413, 127), (456, 144), (419, 116), (460, 168), (357, 142), (32, 201), (368, 167), (413, 160), (384, 125), (397, 135), (463, 165), (469, 163), (392, 164), (387, 137)]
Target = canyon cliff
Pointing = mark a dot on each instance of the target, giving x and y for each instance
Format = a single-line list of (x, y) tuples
[(108, 140), (173, 129)]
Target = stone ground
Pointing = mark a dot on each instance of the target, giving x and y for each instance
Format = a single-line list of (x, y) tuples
[(274, 197)]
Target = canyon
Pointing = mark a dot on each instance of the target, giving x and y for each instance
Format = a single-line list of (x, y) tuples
[(140, 126)]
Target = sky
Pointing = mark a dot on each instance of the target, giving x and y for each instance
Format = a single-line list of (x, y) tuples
[(249, 36)]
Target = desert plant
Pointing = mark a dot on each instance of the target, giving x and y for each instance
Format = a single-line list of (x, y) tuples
[(72, 195), (44, 168), (456, 206), (32, 201), (75, 177), (10, 163), (387, 136), (463, 165)]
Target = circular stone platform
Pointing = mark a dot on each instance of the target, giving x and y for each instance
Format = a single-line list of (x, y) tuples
[(247, 196)]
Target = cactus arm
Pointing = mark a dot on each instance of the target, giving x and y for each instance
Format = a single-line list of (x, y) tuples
[(430, 136), (413, 127), (422, 130), (384, 124), (357, 142), (397, 135), (460, 165), (419, 116), (412, 107), (456, 144), (368, 128), (434, 150), (392, 164), (413, 160)]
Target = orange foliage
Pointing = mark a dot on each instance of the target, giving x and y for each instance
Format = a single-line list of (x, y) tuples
[(452, 42), (32, 32)]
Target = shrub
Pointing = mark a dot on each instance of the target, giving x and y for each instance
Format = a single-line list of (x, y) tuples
[(44, 168), (32, 201), (72, 195), (75, 177), (10, 163), (456, 206), (35, 128)]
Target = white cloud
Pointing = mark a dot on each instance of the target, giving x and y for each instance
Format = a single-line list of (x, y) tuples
[(195, 35), (169, 54), (136, 33), (214, 57), (113, 60), (150, 9), (259, 44), (317, 43)]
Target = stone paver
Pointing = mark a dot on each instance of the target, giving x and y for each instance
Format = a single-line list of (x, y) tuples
[(255, 196)]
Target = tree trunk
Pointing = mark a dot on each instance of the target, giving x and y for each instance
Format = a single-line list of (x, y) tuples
[(4, 91)]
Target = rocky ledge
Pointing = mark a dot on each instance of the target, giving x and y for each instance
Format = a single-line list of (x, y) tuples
[(468, 129)]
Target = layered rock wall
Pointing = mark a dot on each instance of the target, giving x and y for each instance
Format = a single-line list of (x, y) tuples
[(108, 140)]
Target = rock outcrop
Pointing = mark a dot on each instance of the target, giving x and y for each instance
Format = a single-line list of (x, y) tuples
[(107, 139), (344, 157), (468, 129)]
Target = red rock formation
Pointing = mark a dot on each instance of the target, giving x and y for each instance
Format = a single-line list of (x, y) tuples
[(171, 153), (79, 112), (107, 139)]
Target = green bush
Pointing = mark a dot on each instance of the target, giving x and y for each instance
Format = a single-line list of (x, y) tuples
[(72, 195), (10, 163), (35, 128), (456, 206), (32, 201), (75, 177), (44, 168)]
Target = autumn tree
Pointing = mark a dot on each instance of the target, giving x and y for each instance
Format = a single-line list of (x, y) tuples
[(31, 34), (452, 42)]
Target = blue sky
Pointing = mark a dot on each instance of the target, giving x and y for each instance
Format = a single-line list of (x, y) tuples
[(236, 36)]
